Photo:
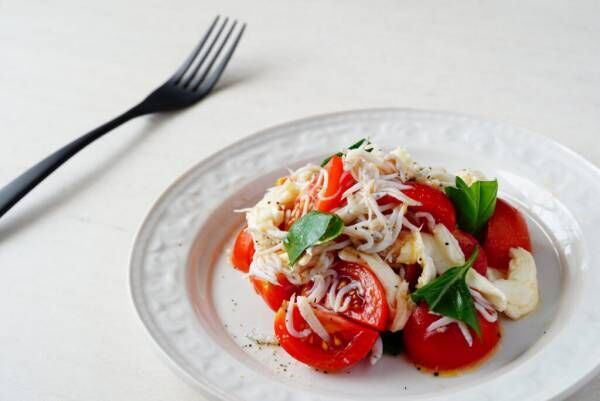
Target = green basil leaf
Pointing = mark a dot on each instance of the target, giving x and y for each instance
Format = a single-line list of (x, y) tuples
[(393, 343), (312, 229), (474, 204), (334, 229), (487, 199), (340, 154), (358, 144), (449, 295)]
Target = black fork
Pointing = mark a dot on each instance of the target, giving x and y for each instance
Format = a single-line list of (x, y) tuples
[(193, 81)]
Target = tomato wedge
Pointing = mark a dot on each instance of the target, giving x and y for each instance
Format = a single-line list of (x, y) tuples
[(243, 251), (349, 342), (273, 294), (468, 243), (432, 201), (446, 350), (369, 308), (338, 181), (506, 229)]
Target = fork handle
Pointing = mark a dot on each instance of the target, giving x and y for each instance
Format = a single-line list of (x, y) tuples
[(20, 186)]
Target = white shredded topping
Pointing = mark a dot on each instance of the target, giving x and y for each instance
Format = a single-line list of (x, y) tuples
[(486, 309), (289, 320), (341, 304), (440, 326), (266, 266), (321, 284), (428, 217), (311, 319)]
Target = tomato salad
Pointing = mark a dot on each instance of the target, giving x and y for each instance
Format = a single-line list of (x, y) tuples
[(370, 245)]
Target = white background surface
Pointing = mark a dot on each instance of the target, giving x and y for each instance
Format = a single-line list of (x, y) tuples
[(69, 330)]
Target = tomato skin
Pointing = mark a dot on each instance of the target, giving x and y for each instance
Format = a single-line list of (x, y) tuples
[(337, 183), (411, 275), (354, 342), (506, 229), (243, 251), (371, 308), (272, 294), (468, 243), (446, 351), (432, 201)]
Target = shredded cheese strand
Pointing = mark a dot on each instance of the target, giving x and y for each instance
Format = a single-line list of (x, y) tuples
[(311, 319), (289, 320)]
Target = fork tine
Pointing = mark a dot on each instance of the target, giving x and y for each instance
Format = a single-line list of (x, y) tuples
[(192, 75), (214, 57), (214, 77), (188, 62)]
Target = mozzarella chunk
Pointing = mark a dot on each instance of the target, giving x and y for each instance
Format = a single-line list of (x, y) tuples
[(411, 248), (485, 287), (405, 249), (494, 274), (285, 194), (521, 286), (403, 162), (436, 176), (404, 307), (268, 214), (429, 271), (438, 253), (449, 244)]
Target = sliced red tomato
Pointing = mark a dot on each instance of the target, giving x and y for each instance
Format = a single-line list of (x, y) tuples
[(338, 181), (468, 243), (243, 251), (506, 229), (273, 294), (432, 201), (369, 308), (349, 342), (447, 350)]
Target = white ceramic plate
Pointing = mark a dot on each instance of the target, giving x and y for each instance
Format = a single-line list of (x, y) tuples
[(201, 312)]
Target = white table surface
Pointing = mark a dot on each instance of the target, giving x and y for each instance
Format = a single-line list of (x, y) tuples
[(69, 330)]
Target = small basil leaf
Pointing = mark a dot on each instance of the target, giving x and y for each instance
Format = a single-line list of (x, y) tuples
[(449, 295), (393, 343), (334, 229), (311, 229), (340, 154), (358, 144), (465, 207), (487, 199), (474, 204)]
